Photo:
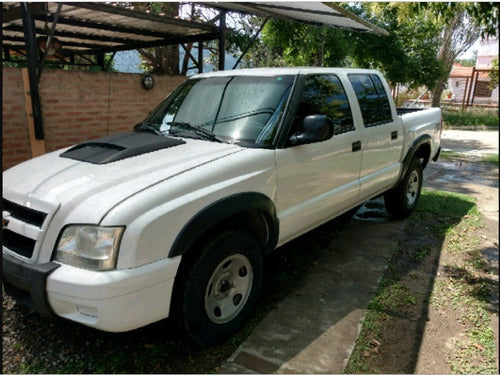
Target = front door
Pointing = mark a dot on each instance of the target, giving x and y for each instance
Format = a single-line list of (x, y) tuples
[(317, 181)]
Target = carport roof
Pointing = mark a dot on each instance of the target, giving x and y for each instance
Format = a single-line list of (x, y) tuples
[(92, 28), (99, 27), (314, 13)]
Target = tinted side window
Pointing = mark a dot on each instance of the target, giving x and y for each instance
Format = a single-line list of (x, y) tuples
[(372, 99), (385, 113), (325, 95)]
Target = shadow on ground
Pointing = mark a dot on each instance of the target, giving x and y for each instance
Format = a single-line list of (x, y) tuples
[(392, 340), (38, 344)]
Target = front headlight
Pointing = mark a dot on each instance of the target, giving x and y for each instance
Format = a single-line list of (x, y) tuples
[(88, 246)]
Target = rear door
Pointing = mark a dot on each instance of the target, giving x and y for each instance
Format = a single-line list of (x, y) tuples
[(319, 180), (382, 139)]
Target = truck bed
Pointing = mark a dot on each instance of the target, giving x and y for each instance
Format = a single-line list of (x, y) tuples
[(404, 110)]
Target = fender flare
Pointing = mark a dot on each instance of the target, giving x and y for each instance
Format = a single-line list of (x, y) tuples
[(420, 141), (224, 209)]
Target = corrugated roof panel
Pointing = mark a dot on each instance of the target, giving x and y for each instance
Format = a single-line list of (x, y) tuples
[(315, 13), (102, 27)]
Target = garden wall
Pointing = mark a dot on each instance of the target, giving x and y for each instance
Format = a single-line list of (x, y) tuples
[(76, 106)]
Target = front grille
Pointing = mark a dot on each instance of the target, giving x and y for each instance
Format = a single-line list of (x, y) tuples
[(12, 238), (17, 243), (25, 214)]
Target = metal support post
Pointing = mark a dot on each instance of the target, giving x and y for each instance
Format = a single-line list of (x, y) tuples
[(33, 65), (49, 41), (222, 40), (251, 43), (100, 60), (110, 61), (6, 53), (200, 56)]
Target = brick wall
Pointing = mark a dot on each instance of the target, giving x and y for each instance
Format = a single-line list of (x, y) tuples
[(16, 143), (76, 106)]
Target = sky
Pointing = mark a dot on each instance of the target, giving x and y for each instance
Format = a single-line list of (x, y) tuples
[(127, 62), (470, 52)]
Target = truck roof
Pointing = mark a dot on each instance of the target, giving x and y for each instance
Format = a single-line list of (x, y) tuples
[(281, 71)]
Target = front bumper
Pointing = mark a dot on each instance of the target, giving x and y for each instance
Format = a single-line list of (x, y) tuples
[(114, 301), (27, 282)]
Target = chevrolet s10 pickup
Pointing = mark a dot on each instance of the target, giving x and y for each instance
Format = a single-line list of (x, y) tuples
[(173, 219)]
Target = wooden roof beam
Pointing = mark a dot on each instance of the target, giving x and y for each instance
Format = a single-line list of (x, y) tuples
[(76, 35), (159, 42), (103, 26), (9, 15)]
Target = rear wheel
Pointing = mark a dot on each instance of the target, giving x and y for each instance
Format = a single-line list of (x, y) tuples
[(402, 200), (222, 287)]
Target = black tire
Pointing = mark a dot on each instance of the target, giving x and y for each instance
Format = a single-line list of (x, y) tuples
[(402, 200), (222, 288)]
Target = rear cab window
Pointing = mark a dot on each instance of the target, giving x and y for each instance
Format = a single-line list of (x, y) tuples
[(372, 98)]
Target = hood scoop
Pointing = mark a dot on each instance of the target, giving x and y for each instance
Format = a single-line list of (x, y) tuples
[(118, 147)]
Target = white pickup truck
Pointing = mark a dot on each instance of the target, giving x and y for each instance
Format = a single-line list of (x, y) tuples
[(174, 218)]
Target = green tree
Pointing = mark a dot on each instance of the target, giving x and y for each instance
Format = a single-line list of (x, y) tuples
[(461, 24), (470, 61), (260, 54), (424, 40), (407, 55), (307, 45), (161, 59)]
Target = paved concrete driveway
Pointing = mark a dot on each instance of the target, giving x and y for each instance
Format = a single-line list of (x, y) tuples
[(471, 143)]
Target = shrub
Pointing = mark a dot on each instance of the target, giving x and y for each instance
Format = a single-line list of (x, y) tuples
[(471, 117)]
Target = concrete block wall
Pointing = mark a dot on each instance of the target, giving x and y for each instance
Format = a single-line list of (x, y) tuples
[(76, 106)]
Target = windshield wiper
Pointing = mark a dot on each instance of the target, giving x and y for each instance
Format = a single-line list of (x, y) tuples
[(207, 134), (147, 128)]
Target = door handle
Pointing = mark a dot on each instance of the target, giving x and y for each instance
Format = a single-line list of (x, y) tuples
[(356, 146), (394, 135)]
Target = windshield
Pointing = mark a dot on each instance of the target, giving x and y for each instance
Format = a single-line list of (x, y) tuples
[(241, 109)]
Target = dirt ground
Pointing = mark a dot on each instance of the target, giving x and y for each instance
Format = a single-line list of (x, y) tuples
[(418, 337), (481, 182)]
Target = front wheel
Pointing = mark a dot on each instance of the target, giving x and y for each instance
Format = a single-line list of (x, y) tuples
[(222, 287), (402, 200)]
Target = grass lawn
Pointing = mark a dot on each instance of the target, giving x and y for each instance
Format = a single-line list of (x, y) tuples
[(444, 273)]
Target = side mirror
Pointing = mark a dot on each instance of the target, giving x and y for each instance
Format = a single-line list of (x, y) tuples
[(317, 128)]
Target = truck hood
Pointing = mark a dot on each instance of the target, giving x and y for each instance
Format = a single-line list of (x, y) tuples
[(60, 180)]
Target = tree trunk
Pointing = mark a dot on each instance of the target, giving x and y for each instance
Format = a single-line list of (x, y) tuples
[(164, 59), (170, 60), (187, 51), (185, 60), (444, 55), (458, 36), (321, 52), (436, 93)]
